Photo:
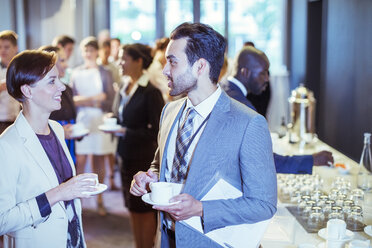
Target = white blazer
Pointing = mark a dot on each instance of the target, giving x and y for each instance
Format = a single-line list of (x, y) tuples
[(25, 173)]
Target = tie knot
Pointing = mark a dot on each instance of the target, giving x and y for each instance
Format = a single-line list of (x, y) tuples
[(190, 113)]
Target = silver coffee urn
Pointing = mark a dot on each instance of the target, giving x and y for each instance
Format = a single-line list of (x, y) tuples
[(301, 127)]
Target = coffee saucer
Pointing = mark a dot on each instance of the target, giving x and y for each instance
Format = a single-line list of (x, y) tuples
[(348, 234), (368, 230), (146, 198), (99, 189), (79, 133), (108, 128)]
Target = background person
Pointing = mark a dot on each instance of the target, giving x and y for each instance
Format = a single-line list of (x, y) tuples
[(9, 108), (39, 205), (93, 94), (66, 116), (139, 113), (250, 75)]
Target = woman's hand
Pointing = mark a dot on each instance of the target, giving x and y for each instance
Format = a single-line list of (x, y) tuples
[(119, 132), (73, 188)]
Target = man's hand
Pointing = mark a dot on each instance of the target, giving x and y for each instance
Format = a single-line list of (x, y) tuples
[(141, 181), (323, 158), (187, 207)]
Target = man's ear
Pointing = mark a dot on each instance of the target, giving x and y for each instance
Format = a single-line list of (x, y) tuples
[(245, 72), (201, 66), (26, 91)]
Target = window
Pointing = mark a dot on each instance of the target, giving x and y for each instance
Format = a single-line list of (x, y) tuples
[(212, 12), (177, 12), (133, 21), (259, 21)]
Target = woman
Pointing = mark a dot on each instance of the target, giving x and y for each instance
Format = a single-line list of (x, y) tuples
[(39, 205), (139, 113), (66, 116), (93, 94)]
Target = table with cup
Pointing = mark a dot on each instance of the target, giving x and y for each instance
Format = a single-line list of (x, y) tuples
[(327, 203)]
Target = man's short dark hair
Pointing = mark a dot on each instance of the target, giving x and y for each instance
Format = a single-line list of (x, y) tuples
[(63, 40), (202, 42), (89, 41), (10, 36), (28, 67)]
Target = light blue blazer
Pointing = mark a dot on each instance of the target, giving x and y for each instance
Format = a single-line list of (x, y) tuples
[(236, 146), (25, 173)]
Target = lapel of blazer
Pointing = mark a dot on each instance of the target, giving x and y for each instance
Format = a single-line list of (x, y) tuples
[(136, 95), (169, 123), (36, 150), (199, 178)]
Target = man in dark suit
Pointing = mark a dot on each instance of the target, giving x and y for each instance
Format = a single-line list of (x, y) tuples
[(205, 137), (250, 75)]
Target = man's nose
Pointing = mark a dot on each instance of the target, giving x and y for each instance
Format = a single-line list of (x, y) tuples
[(166, 69)]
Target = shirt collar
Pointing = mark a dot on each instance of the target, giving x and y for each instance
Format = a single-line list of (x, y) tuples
[(239, 84), (143, 80), (205, 107)]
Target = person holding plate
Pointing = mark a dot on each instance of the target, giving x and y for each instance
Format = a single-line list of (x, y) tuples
[(39, 192), (139, 113)]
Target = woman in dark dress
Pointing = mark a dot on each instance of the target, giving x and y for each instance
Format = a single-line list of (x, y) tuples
[(139, 113)]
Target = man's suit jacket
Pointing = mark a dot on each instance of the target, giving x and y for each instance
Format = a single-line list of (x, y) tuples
[(236, 146), (284, 164), (26, 172), (141, 117)]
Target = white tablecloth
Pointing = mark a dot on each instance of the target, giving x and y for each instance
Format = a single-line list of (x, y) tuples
[(284, 230)]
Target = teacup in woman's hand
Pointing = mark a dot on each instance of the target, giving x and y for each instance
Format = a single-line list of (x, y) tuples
[(110, 122), (92, 177)]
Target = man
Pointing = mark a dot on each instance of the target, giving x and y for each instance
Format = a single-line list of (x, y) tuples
[(203, 138), (260, 101), (66, 43), (9, 107), (250, 75)]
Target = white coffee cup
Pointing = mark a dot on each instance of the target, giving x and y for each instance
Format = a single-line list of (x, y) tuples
[(359, 244), (336, 229), (78, 128), (110, 122), (94, 178), (161, 192)]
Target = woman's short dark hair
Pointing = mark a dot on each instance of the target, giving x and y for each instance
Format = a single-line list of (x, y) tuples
[(28, 67), (138, 50), (202, 42)]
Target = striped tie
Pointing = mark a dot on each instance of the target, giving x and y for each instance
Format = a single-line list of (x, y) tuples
[(184, 134)]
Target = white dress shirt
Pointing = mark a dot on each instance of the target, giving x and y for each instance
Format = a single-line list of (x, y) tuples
[(239, 84), (203, 109)]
